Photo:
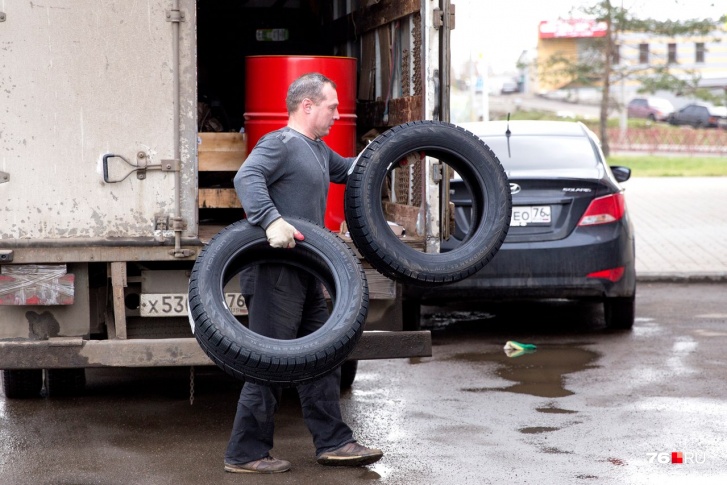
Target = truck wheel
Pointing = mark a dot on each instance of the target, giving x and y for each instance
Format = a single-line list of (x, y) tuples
[(22, 383), (247, 355), (471, 159), (65, 382)]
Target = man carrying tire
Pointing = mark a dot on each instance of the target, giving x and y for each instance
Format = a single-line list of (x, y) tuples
[(287, 175)]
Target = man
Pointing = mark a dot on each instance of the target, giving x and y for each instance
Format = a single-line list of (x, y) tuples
[(287, 175)]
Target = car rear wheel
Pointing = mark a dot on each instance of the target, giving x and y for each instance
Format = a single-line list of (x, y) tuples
[(249, 356), (22, 383), (620, 312), (473, 161)]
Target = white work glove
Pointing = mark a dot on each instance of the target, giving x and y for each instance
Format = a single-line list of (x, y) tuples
[(280, 234)]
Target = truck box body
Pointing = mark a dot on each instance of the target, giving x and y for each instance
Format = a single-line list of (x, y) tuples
[(107, 201)]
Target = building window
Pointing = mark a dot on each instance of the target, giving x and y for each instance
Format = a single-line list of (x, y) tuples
[(643, 53), (672, 54), (616, 57), (699, 52)]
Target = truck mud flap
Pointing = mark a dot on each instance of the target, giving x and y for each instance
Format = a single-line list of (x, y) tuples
[(471, 158), (247, 355)]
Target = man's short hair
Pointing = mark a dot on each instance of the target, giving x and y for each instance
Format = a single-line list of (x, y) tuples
[(306, 86)]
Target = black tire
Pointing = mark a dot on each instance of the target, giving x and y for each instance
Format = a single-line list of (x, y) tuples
[(249, 356), (22, 383), (65, 382), (348, 374), (474, 162), (620, 312)]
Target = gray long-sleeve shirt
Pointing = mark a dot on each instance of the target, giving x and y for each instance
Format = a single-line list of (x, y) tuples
[(287, 174)]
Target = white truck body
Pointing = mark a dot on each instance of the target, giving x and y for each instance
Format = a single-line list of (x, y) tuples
[(99, 169)]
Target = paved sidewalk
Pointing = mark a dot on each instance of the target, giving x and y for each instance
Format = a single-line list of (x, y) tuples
[(681, 227)]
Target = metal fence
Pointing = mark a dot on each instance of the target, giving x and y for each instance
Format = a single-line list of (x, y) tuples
[(685, 140)]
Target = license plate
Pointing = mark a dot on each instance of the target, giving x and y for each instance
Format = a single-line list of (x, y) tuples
[(526, 215), (175, 304)]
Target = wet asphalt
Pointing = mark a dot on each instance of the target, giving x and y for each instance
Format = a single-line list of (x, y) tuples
[(587, 406)]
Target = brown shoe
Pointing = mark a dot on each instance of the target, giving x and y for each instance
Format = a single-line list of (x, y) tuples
[(263, 465), (350, 454)]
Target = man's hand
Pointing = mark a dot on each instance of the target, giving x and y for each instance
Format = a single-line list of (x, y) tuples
[(280, 234)]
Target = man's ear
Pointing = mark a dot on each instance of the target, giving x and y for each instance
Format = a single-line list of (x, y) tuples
[(307, 105)]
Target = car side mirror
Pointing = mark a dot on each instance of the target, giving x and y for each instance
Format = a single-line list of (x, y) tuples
[(622, 174)]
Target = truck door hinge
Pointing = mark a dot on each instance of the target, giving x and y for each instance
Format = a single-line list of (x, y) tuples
[(438, 21), (437, 172), (175, 16)]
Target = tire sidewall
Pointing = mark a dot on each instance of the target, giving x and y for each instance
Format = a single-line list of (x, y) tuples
[(233, 345)]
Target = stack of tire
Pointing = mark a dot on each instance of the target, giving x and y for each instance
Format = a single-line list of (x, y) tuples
[(249, 356)]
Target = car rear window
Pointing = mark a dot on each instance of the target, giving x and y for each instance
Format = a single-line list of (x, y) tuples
[(542, 152)]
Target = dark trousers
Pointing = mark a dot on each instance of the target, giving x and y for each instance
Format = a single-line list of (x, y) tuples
[(285, 303)]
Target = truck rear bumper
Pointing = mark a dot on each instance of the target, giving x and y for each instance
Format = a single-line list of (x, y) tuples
[(69, 352)]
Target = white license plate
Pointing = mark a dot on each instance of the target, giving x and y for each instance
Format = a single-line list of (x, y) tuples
[(526, 215), (175, 304)]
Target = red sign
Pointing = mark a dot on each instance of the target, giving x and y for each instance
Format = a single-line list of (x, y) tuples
[(571, 28)]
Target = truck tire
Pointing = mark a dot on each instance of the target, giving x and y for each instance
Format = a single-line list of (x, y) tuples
[(480, 169), (22, 383), (249, 356), (65, 382)]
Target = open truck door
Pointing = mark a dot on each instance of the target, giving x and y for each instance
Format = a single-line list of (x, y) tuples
[(108, 199)]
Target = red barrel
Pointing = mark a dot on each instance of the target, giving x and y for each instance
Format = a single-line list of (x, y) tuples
[(266, 84)]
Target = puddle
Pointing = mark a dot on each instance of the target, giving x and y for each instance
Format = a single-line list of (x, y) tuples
[(554, 410), (555, 451), (540, 373), (538, 429)]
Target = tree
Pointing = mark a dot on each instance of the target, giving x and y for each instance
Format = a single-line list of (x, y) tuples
[(599, 64)]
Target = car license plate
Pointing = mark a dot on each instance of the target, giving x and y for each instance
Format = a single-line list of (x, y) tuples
[(526, 215), (175, 304)]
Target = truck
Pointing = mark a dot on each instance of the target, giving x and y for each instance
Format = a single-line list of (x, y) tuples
[(123, 124)]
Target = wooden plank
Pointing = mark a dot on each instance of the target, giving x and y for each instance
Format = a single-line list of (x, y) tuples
[(404, 215), (223, 152), (118, 283), (221, 161), (218, 199), (219, 142)]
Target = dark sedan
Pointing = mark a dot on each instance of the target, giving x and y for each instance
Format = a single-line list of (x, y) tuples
[(700, 115), (570, 234)]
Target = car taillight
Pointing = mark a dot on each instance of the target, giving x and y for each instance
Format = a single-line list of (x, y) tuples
[(613, 274), (603, 210)]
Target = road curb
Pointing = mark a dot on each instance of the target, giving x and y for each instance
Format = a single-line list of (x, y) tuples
[(716, 277)]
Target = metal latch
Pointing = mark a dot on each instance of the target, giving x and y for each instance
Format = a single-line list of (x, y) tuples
[(6, 255), (140, 167)]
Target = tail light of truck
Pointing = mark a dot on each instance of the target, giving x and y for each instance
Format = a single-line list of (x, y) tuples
[(604, 210)]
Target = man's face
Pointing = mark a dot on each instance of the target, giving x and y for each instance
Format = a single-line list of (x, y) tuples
[(324, 113)]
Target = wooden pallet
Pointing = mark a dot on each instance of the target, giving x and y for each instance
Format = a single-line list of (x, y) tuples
[(221, 153)]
